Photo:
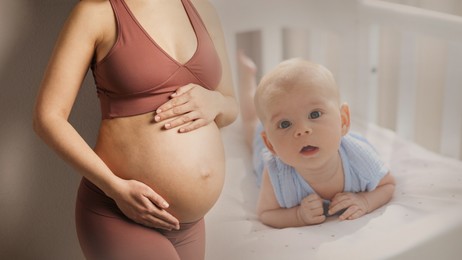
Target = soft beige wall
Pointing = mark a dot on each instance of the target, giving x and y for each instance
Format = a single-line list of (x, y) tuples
[(37, 189)]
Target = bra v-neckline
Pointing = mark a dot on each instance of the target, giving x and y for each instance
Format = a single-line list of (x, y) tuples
[(193, 25)]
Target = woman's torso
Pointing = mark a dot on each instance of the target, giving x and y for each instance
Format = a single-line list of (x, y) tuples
[(186, 169)]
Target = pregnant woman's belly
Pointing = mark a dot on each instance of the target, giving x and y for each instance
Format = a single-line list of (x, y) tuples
[(186, 169)]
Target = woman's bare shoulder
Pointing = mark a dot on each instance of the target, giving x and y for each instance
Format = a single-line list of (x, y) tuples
[(209, 16), (93, 7), (93, 11), (206, 10), (92, 16)]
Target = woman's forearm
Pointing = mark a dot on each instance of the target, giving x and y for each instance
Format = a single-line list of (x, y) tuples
[(59, 134)]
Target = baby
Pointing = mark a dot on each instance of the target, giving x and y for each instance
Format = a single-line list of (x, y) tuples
[(308, 165)]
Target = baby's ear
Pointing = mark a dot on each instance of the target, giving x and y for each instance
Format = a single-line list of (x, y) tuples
[(267, 142), (345, 115)]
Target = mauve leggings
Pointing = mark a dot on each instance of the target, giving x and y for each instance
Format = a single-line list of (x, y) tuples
[(105, 233)]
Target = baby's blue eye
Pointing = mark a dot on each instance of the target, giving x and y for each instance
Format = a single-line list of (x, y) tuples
[(315, 114), (284, 124)]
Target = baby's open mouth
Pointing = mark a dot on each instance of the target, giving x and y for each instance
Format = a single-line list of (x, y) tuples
[(309, 150)]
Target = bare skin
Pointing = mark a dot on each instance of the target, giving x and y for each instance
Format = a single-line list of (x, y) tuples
[(161, 168)]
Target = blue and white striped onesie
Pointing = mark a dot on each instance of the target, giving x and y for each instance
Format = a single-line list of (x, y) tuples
[(362, 168)]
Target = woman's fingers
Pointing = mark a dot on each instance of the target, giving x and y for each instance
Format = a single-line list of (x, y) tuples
[(143, 205), (172, 108), (183, 89), (177, 98), (191, 107), (156, 199), (156, 206), (190, 121), (160, 218)]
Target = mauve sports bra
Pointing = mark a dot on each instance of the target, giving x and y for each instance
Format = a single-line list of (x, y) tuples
[(137, 76)]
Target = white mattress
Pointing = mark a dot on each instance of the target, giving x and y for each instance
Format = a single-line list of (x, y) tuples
[(423, 220)]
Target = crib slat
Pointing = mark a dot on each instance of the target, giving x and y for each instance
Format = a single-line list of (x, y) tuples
[(272, 49), (355, 58), (373, 103), (409, 18), (317, 46), (407, 87), (296, 43), (366, 100), (451, 134)]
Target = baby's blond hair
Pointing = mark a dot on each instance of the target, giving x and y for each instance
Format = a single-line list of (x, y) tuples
[(289, 74)]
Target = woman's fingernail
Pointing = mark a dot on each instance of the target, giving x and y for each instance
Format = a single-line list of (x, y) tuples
[(165, 204), (157, 118), (158, 110), (167, 125)]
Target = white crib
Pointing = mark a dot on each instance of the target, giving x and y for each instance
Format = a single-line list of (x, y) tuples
[(399, 66), (400, 69)]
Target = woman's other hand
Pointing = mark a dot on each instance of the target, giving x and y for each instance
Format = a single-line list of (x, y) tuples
[(143, 205), (192, 105)]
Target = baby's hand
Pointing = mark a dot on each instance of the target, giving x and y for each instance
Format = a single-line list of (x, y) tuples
[(355, 204), (311, 211)]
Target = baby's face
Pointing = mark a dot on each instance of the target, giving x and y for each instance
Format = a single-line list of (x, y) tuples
[(304, 125)]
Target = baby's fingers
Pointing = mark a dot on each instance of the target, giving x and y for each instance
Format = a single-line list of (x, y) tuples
[(338, 204), (318, 219), (312, 198), (351, 213)]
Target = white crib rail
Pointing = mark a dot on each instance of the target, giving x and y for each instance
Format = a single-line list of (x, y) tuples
[(451, 134), (412, 19), (403, 89), (413, 23)]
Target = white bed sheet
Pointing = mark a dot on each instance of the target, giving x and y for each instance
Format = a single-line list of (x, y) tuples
[(423, 220)]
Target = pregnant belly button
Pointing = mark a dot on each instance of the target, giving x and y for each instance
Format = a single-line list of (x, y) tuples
[(205, 173)]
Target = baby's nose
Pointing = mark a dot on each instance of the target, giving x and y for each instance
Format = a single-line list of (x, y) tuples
[(303, 131)]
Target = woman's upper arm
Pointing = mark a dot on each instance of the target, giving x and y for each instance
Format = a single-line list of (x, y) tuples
[(213, 25), (69, 61)]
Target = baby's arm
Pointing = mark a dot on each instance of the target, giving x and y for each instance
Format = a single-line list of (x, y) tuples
[(270, 213), (359, 204)]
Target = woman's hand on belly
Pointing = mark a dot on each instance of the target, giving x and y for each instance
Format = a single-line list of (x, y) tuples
[(192, 106), (143, 205)]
